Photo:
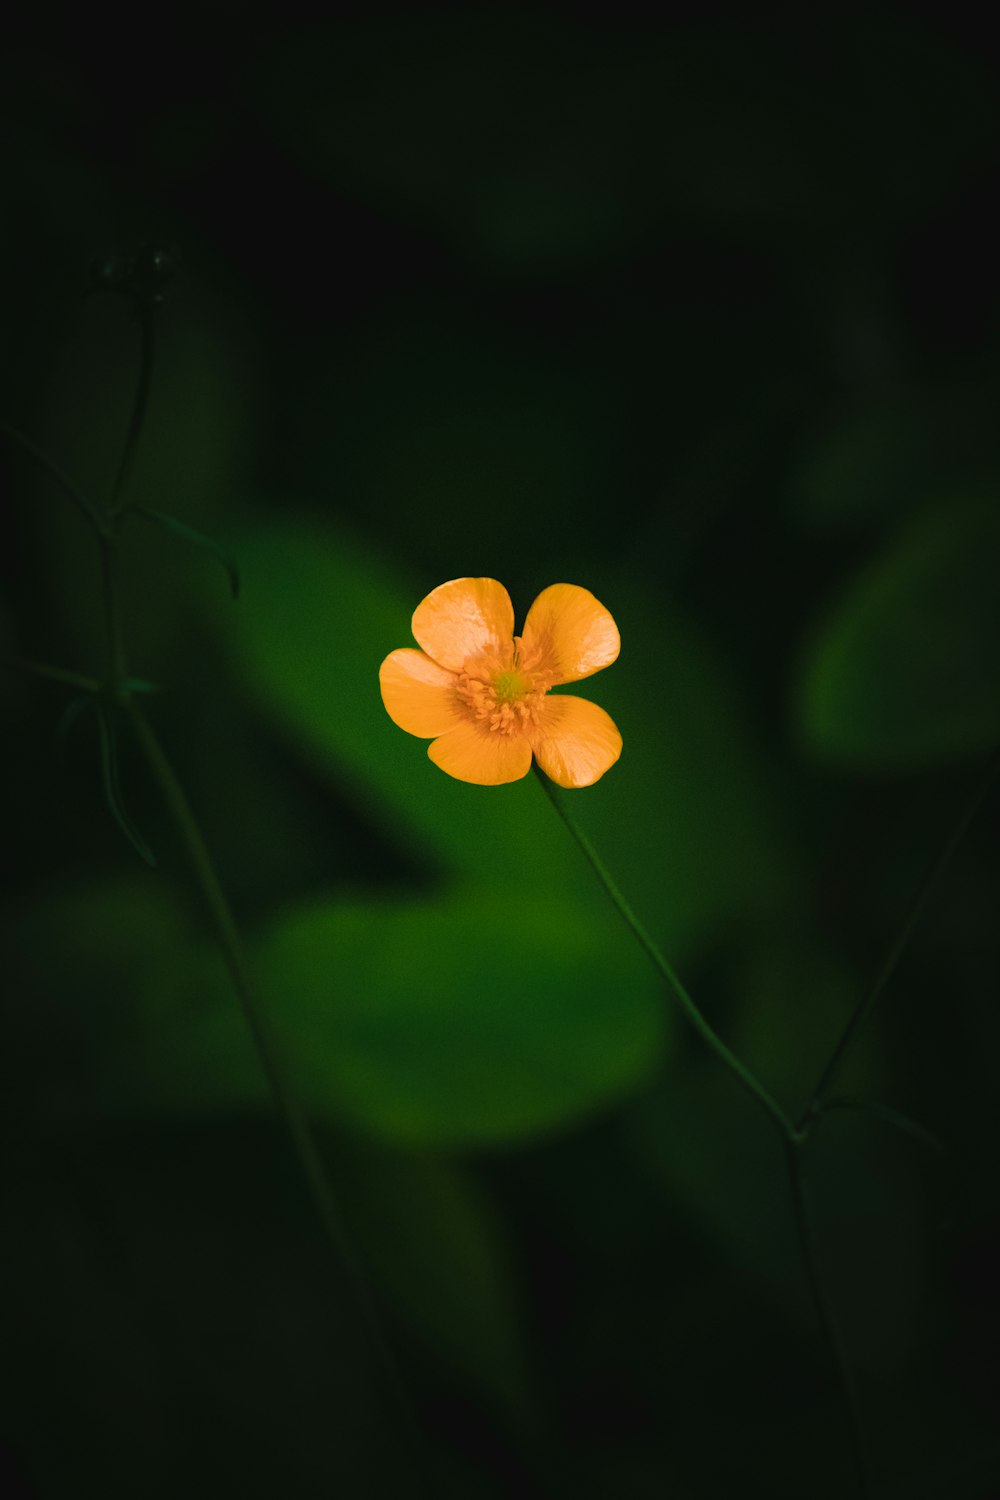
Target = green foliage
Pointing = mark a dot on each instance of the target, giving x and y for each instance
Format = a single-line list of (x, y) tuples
[(689, 781), (647, 310), (863, 463), (454, 1022), (458, 1021), (905, 671), (465, 1019)]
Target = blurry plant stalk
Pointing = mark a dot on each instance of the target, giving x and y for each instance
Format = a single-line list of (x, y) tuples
[(116, 693), (795, 1133)]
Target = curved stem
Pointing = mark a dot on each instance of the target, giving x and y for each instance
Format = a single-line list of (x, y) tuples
[(229, 941), (690, 1009), (824, 1314), (56, 474), (897, 948), (303, 1139), (138, 406), (792, 1137)]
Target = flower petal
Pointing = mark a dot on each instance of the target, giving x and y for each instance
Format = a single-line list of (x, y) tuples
[(462, 617), (572, 631), (418, 694), (576, 742), (472, 753)]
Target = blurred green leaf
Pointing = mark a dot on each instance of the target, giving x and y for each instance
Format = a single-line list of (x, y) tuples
[(906, 668), (456, 1022), (429, 1234), (866, 462), (460, 1021), (464, 1020)]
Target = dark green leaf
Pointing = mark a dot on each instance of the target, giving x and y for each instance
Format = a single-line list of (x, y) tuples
[(457, 1022), (906, 668)]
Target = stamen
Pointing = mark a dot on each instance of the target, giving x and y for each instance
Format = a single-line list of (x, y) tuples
[(502, 689)]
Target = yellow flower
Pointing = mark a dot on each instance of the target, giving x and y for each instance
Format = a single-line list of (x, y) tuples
[(480, 693)]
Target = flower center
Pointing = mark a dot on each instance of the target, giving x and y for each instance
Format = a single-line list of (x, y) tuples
[(502, 688), (509, 687)]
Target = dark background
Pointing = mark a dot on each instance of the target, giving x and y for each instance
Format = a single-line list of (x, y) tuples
[(701, 313)]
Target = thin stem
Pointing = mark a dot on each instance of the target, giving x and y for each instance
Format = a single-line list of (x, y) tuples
[(793, 1139), (229, 941), (897, 948), (112, 612), (299, 1129), (55, 473), (138, 406), (694, 1015), (824, 1314), (52, 674), (121, 689), (890, 1116)]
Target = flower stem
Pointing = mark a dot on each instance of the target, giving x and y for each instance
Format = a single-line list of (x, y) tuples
[(232, 949), (896, 949), (55, 473), (690, 1009), (139, 405), (824, 1313), (112, 611), (792, 1137), (53, 674), (188, 829), (303, 1139)]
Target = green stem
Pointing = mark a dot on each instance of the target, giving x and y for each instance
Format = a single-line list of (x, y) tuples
[(303, 1139), (121, 689), (824, 1314), (792, 1137), (229, 941), (690, 1009), (896, 949), (53, 674), (138, 406), (112, 612), (890, 1116), (55, 473)]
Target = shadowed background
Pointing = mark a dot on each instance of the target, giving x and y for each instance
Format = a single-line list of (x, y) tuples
[(702, 315)]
